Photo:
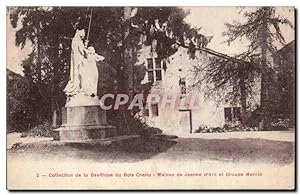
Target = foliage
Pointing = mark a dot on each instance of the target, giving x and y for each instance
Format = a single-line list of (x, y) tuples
[(262, 30), (18, 111), (236, 77), (225, 129), (221, 78), (50, 30), (261, 26), (284, 68), (42, 130), (280, 124)]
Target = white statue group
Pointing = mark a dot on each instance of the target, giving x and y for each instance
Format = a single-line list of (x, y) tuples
[(83, 69)]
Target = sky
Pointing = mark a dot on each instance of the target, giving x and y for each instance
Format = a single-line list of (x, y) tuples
[(211, 19), (15, 55)]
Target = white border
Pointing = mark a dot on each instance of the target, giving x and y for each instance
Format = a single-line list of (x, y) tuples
[(100, 3)]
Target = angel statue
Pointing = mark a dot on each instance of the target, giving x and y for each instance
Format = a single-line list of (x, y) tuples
[(89, 72)]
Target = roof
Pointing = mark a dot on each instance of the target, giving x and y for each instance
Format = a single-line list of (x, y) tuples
[(290, 45)]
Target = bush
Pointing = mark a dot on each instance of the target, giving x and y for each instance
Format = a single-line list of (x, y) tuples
[(129, 124), (42, 130), (18, 112), (280, 124), (224, 129)]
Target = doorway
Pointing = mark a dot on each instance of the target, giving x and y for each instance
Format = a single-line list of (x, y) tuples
[(185, 120)]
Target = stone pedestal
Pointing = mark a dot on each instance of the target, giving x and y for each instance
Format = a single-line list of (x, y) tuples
[(83, 120)]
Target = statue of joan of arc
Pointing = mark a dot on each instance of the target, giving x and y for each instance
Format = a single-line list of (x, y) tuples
[(77, 59)]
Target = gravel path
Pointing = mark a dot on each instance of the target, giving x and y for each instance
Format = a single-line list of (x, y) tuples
[(31, 164), (265, 147)]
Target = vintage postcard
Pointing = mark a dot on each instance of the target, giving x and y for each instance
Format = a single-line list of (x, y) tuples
[(150, 98)]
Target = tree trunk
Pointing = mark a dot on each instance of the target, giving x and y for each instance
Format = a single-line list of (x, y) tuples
[(38, 48), (127, 57), (39, 70), (39, 61), (243, 98), (264, 76), (127, 64), (54, 91)]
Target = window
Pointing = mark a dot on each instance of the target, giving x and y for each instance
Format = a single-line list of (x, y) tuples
[(157, 63), (237, 113), (158, 75), (150, 63), (146, 111), (232, 114), (154, 69), (150, 76), (154, 110), (182, 84), (164, 65), (228, 115)]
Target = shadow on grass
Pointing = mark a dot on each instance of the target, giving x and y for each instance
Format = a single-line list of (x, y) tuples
[(234, 150), (250, 150), (132, 150)]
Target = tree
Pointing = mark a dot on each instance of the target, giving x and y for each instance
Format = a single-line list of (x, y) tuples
[(225, 79), (284, 61), (19, 115), (44, 28), (113, 33), (262, 29)]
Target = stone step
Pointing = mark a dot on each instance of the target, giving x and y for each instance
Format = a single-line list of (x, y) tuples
[(83, 132), (104, 141)]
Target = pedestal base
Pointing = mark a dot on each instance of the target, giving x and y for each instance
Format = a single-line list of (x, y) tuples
[(83, 132), (80, 123)]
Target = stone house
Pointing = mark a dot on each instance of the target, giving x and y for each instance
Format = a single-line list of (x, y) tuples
[(175, 77)]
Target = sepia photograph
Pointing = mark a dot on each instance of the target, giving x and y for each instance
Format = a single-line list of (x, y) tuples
[(150, 98)]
